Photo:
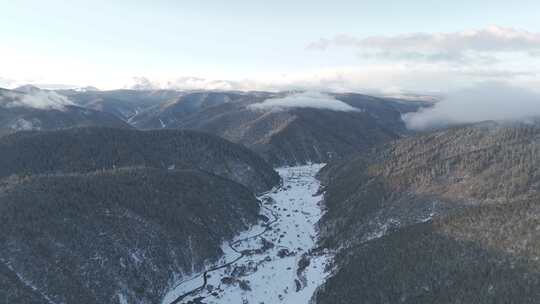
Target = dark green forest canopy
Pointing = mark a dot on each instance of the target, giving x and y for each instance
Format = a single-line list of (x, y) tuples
[(90, 149)]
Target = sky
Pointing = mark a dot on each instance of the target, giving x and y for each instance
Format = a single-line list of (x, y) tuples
[(341, 45)]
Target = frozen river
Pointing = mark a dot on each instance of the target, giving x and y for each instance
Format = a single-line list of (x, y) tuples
[(273, 262)]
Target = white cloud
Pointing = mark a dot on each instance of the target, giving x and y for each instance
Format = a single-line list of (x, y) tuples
[(304, 100), (410, 61), (189, 83), (142, 84), (36, 99), (198, 83), (6, 83), (478, 46), (488, 101), (378, 79)]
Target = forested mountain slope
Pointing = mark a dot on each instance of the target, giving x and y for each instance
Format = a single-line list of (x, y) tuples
[(90, 149), (113, 236), (444, 217)]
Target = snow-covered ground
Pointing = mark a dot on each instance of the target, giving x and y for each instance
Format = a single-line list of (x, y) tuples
[(273, 262)]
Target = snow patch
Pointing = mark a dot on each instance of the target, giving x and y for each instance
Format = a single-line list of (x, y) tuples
[(27, 283), (382, 230), (122, 299), (22, 124), (162, 123)]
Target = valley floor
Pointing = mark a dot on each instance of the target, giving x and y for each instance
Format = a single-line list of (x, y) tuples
[(273, 262)]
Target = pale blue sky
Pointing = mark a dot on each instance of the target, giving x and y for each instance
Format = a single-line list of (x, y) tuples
[(106, 43)]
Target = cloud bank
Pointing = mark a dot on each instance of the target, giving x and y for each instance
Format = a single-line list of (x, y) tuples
[(477, 46), (305, 100), (186, 83), (488, 101), (375, 80)]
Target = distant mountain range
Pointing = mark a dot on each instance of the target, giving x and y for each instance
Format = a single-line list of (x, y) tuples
[(36, 109), (124, 104), (285, 136), (292, 135)]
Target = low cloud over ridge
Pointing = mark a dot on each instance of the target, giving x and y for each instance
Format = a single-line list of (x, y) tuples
[(305, 100), (40, 99), (488, 101)]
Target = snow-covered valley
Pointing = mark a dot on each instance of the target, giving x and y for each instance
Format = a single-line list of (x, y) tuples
[(274, 261)]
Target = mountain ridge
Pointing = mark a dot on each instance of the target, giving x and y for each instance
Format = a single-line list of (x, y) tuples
[(35, 152)]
